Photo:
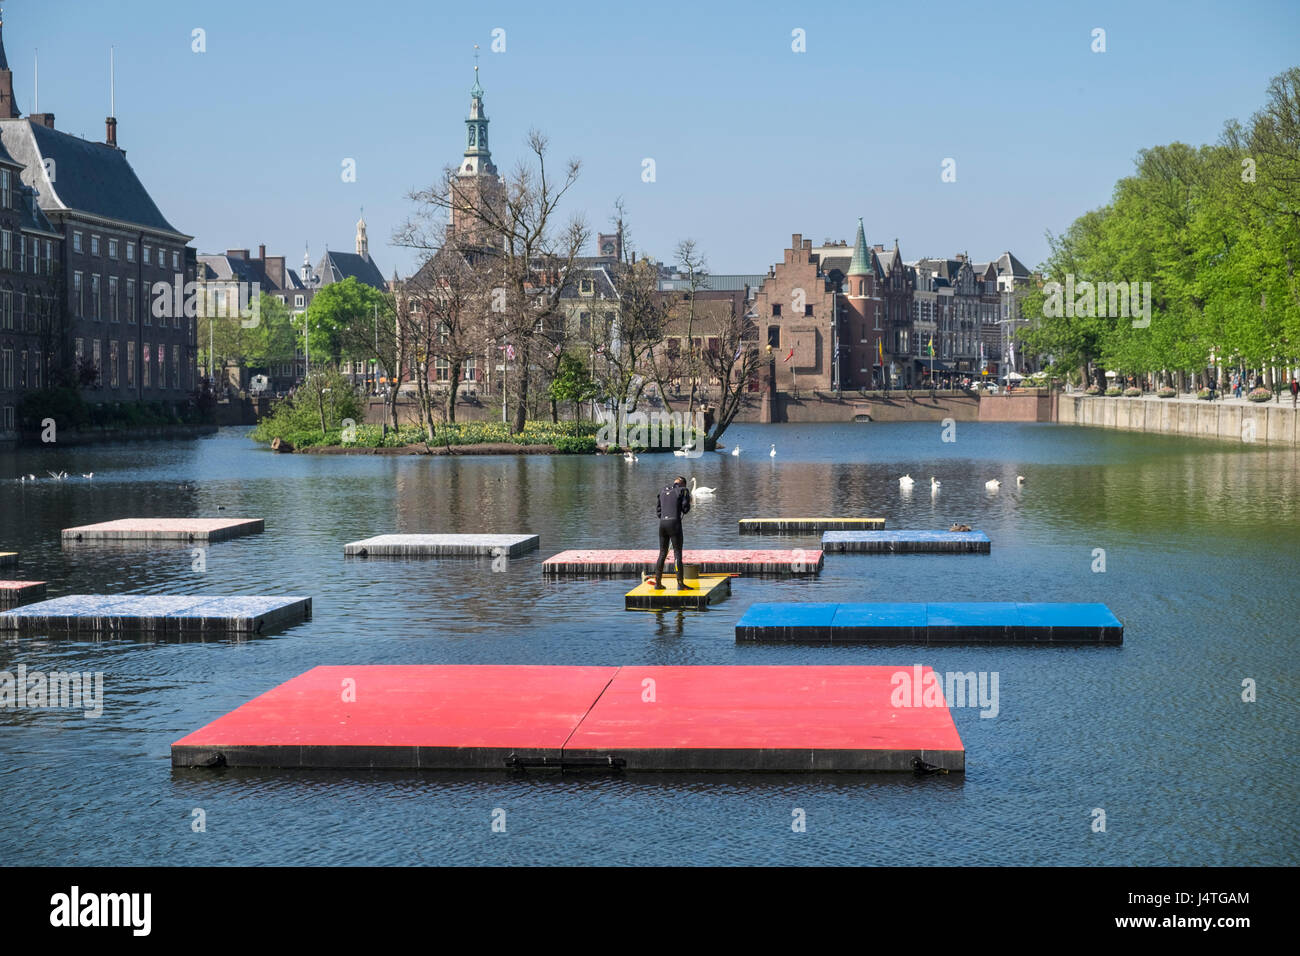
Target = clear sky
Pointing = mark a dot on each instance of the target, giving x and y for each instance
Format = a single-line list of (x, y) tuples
[(244, 143)]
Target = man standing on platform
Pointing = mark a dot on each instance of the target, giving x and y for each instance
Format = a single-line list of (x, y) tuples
[(673, 502)]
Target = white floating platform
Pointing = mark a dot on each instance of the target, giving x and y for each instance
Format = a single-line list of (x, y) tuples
[(170, 614), (164, 529), (438, 545)]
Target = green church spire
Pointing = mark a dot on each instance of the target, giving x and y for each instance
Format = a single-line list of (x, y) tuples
[(861, 264)]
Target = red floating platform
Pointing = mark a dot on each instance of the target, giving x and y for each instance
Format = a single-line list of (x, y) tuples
[(723, 718), (710, 560)]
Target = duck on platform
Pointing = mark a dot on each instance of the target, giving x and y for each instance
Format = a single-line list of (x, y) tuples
[(960, 527)]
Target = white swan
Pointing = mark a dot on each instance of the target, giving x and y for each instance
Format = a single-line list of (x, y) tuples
[(772, 452), (1020, 479), (735, 451), (700, 492), (679, 452), (905, 481), (992, 484), (629, 457), (934, 485)]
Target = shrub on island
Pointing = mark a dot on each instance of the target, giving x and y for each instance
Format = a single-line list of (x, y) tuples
[(1259, 395), (1166, 392)]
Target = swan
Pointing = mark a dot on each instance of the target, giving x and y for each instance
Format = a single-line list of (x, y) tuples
[(87, 474), (992, 484), (905, 481), (772, 452), (934, 483), (629, 457), (700, 492), (1020, 479), (735, 451), (679, 452)]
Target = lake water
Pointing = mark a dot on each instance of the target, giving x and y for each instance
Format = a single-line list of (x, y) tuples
[(1202, 560)]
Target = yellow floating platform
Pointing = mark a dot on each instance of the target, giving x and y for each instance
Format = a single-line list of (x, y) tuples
[(795, 525), (709, 589)]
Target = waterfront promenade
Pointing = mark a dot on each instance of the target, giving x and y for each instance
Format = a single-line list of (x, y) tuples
[(1228, 419)]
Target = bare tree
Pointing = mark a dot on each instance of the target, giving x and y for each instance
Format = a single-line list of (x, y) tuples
[(734, 362), (510, 233), (448, 324)]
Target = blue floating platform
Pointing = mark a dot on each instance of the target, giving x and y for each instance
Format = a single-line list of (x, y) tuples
[(907, 542), (988, 622), (175, 615)]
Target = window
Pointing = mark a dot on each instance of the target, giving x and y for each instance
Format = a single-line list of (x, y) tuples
[(94, 245), (6, 249), (130, 301), (774, 336), (130, 365), (144, 365), (469, 372), (776, 310), (144, 251), (76, 242), (298, 301), (176, 260), (584, 324), (49, 257), (112, 364), (176, 367), (162, 366), (8, 369), (862, 287), (112, 248), (95, 353), (6, 310), (441, 369), (94, 298), (807, 310), (876, 312), (130, 252), (35, 257), (6, 189), (9, 418), (586, 287), (80, 349), (36, 370)]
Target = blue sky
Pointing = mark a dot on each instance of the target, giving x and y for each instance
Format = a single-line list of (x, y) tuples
[(244, 144)]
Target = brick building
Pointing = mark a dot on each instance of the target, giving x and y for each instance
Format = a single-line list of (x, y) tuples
[(119, 270)]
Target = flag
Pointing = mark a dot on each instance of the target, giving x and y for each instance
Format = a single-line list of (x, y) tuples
[(880, 350), (790, 356), (930, 348), (510, 352)]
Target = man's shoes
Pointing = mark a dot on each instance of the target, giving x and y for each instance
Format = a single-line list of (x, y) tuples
[(659, 586), (682, 586)]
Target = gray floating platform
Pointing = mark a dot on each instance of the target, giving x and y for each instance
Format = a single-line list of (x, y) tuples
[(8, 558), (798, 525), (991, 622), (164, 529), (907, 542), (168, 614), (439, 545)]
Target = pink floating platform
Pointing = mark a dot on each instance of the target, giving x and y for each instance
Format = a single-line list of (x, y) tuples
[(723, 718), (14, 593), (710, 560)]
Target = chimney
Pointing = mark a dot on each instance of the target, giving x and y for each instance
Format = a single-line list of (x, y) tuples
[(42, 119), (261, 251), (237, 253), (275, 271), (110, 131)]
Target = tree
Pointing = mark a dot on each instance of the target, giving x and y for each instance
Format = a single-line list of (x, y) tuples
[(734, 363), (510, 233), (447, 325), (571, 383), (339, 315)]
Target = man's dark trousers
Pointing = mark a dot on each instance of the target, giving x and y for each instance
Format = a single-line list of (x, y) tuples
[(670, 532)]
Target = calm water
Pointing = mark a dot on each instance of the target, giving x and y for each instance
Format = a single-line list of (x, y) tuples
[(1202, 550)]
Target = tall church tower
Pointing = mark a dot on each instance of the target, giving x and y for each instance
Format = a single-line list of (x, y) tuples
[(476, 184)]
